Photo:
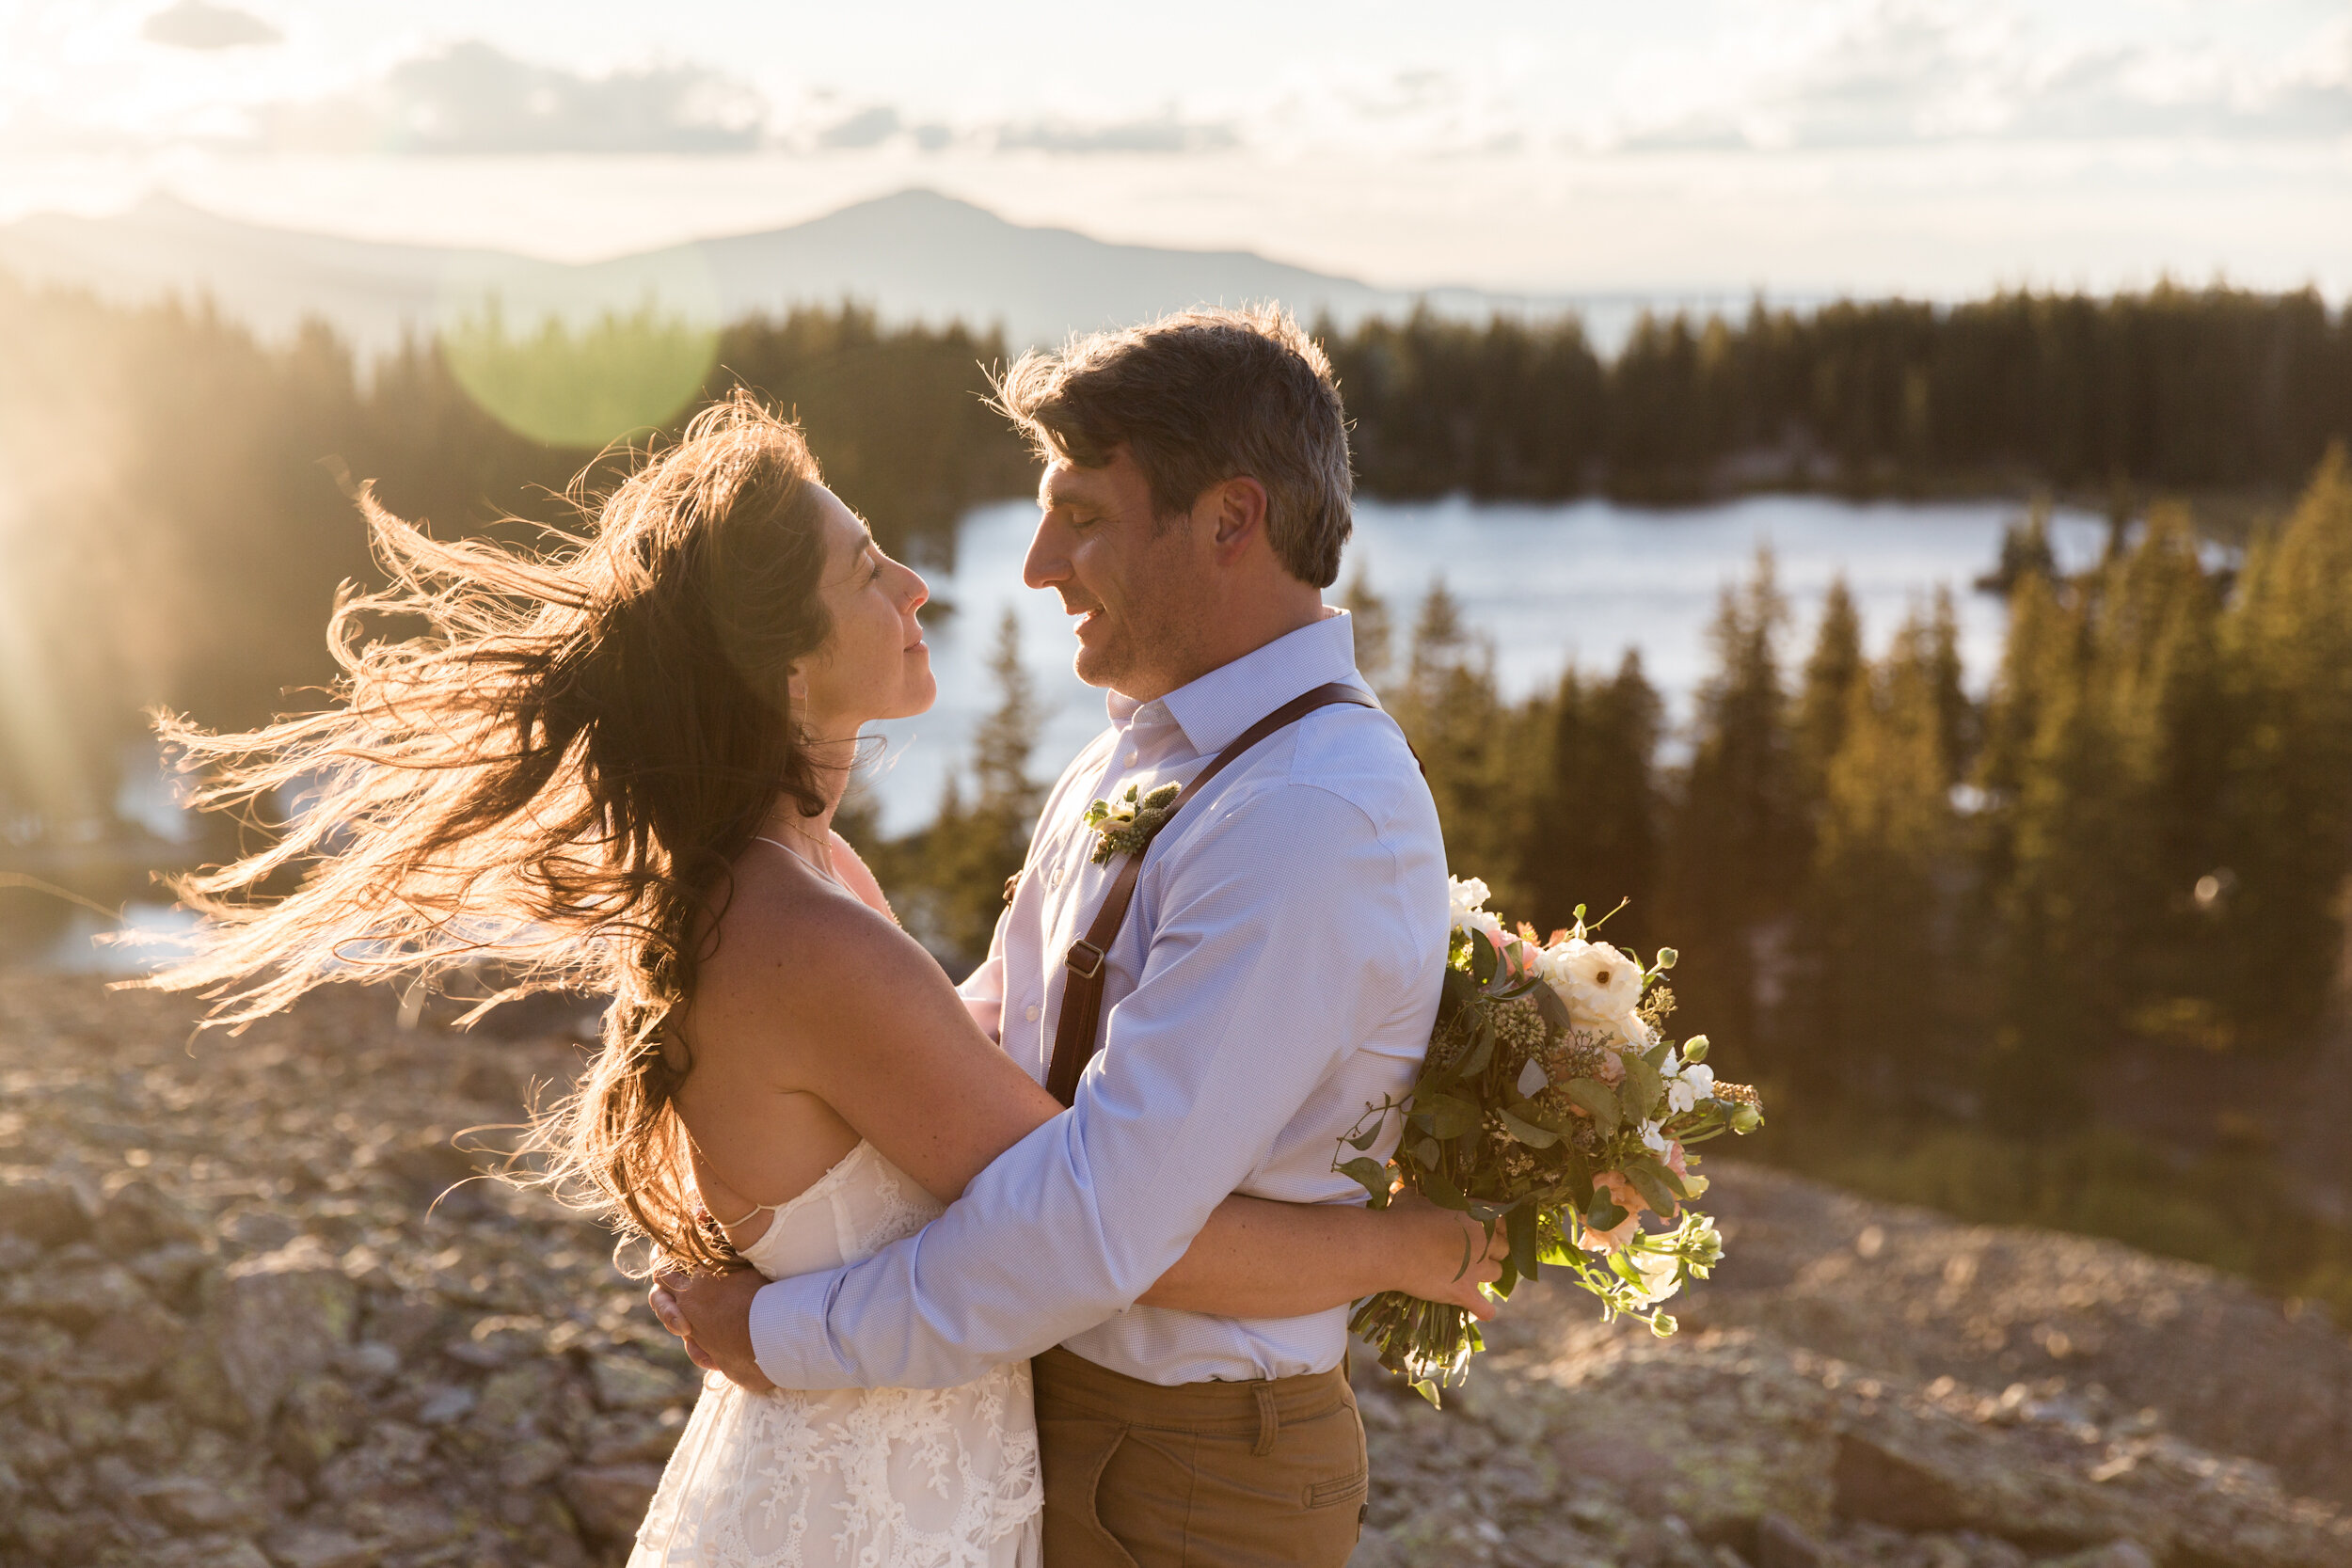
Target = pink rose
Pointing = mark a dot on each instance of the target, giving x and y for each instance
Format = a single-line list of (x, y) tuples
[(1623, 1194)]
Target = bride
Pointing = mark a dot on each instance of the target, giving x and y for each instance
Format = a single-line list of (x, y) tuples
[(614, 767)]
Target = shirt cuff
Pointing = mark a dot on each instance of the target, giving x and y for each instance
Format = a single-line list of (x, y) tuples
[(788, 1338)]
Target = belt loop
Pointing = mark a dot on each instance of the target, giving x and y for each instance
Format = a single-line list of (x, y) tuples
[(1269, 1421)]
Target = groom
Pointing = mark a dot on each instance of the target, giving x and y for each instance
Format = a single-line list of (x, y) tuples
[(1278, 970)]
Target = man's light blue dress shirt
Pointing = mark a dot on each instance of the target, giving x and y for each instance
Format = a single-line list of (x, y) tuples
[(1279, 970)]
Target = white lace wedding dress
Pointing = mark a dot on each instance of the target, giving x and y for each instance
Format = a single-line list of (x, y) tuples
[(874, 1478)]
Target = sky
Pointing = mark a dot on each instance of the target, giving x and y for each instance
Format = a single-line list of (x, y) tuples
[(1866, 146)]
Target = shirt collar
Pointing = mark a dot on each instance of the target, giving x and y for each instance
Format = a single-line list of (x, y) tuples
[(1215, 709)]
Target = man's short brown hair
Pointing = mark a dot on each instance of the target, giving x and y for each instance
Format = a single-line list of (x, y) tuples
[(1201, 397)]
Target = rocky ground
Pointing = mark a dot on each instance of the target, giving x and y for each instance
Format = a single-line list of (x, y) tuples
[(235, 1328)]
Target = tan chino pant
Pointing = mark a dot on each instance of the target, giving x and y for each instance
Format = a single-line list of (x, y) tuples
[(1203, 1475)]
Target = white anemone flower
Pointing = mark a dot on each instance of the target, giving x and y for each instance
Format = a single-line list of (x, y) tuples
[(1657, 1270), (1466, 896), (1601, 985)]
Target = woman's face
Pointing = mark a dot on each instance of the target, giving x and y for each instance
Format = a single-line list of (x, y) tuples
[(875, 665)]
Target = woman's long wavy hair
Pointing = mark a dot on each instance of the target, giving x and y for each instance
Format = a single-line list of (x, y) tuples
[(552, 779)]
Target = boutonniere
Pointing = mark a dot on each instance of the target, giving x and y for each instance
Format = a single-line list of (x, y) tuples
[(1124, 825)]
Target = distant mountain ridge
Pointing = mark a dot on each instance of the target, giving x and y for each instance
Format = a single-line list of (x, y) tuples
[(917, 255)]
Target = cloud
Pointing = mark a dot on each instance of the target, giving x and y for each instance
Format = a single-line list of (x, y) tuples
[(1911, 71), (472, 98), (866, 128), (194, 24), (1166, 134)]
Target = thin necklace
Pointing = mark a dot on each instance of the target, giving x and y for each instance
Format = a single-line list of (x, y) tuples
[(825, 872)]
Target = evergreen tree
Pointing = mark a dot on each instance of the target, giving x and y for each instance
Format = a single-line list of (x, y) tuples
[(2288, 640), (1593, 836), (971, 850), (1476, 751), (1368, 612), (1957, 719), (1735, 849), (1825, 691), (1874, 931), (2156, 660)]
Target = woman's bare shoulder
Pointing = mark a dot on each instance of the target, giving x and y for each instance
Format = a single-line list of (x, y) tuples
[(852, 868), (785, 936)]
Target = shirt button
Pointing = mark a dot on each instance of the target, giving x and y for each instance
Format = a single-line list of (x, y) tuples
[(1029, 1012), (1131, 758), (1055, 878)]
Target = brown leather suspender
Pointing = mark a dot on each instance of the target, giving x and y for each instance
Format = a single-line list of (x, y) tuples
[(1076, 1034)]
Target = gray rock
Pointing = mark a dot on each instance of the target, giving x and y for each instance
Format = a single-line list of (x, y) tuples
[(499, 1340), (635, 1438), (2115, 1554), (369, 1363), (1780, 1544), (1921, 1471), (316, 1546), (407, 1521), (532, 1462), (626, 1382), (46, 1535), (319, 1418), (610, 1500), (190, 1503), (196, 1381), (137, 1218), (281, 1317), (446, 1407), (389, 1460), (42, 1209), (131, 1340)]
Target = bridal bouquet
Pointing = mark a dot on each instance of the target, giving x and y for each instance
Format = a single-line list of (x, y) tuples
[(1553, 1104)]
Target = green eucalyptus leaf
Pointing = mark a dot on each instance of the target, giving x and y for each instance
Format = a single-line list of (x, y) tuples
[(1484, 960), (1482, 1048), (1603, 1213), (1427, 1152), (1442, 1192), (1594, 1096), (1641, 1090), (1519, 1224), (1369, 1173), (1647, 1176), (1531, 1080), (1449, 1116), (1527, 1131)]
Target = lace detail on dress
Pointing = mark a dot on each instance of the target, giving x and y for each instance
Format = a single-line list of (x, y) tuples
[(879, 1477)]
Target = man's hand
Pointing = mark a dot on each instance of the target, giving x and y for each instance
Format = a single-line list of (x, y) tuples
[(1448, 1255), (713, 1313)]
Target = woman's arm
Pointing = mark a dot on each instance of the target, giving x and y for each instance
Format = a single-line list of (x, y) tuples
[(941, 1100)]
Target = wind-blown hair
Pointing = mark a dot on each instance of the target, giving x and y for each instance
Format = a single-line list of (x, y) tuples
[(554, 778)]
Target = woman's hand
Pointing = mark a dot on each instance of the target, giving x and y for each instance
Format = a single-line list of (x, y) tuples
[(1429, 1246)]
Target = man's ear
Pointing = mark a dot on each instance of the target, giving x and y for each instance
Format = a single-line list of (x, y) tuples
[(1239, 517)]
